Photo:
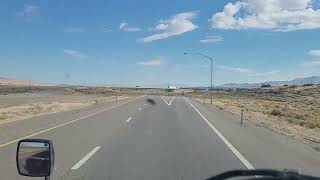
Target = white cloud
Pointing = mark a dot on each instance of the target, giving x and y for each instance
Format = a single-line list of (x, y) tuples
[(28, 12), (73, 30), (310, 64), (236, 69), (176, 25), (314, 52), (211, 39), (264, 74), (276, 15), (124, 26), (132, 29), (152, 62), (248, 72), (74, 53)]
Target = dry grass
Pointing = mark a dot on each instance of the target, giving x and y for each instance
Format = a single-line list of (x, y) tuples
[(4, 89), (30, 110), (35, 109), (288, 110)]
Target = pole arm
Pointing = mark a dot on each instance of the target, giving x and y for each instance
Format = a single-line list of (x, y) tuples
[(205, 56)]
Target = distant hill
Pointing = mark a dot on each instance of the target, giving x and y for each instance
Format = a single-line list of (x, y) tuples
[(14, 82), (297, 81)]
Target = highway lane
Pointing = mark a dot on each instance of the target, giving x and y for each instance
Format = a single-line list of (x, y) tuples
[(162, 142), (167, 140), (159, 142), (70, 140)]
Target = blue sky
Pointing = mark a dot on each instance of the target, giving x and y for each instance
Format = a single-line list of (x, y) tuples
[(103, 42)]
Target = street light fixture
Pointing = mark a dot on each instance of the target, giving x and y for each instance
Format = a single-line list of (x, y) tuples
[(211, 61)]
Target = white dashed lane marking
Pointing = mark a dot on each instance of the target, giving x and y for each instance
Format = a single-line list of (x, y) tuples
[(85, 158), (129, 119)]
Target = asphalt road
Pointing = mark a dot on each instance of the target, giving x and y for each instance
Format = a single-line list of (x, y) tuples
[(169, 139)]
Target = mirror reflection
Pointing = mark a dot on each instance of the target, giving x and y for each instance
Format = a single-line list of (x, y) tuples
[(34, 158)]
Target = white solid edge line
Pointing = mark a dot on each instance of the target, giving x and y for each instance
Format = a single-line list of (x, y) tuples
[(85, 158), (244, 161), (165, 101), (171, 100), (69, 122), (129, 119)]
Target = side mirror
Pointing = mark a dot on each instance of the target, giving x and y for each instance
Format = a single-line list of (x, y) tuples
[(35, 157)]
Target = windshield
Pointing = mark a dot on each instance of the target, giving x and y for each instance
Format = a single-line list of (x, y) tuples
[(161, 89)]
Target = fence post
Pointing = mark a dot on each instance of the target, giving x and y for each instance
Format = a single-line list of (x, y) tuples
[(116, 98), (241, 116)]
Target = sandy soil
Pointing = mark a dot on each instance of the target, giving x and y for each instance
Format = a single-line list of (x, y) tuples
[(25, 111)]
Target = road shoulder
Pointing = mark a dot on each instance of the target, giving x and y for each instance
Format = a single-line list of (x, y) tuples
[(262, 147)]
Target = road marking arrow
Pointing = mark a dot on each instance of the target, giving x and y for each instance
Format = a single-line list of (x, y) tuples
[(167, 102)]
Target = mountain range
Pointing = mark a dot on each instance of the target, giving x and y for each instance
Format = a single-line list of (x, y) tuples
[(296, 81), (14, 82)]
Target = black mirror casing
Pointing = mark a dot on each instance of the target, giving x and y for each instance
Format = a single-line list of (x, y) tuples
[(38, 159)]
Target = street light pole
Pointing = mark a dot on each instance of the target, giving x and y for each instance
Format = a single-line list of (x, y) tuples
[(211, 81), (211, 62)]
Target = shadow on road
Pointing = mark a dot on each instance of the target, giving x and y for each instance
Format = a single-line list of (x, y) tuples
[(151, 101)]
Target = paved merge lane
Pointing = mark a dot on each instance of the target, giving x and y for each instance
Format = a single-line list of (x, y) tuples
[(167, 138)]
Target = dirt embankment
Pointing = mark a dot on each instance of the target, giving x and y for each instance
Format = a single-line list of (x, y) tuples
[(57, 103), (36, 109), (292, 111)]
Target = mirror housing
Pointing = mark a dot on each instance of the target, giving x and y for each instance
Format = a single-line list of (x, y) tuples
[(35, 157)]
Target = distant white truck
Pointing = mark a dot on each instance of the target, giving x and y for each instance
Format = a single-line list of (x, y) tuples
[(171, 88)]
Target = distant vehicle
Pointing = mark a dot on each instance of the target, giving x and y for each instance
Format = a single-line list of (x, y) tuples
[(171, 88)]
